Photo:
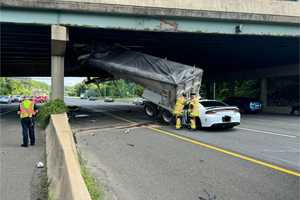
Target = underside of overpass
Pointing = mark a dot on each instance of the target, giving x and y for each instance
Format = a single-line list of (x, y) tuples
[(26, 51)]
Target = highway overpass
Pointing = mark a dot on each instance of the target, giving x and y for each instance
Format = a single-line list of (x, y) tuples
[(229, 39)]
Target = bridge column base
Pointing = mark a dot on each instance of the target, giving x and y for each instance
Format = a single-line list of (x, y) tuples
[(59, 38), (264, 92)]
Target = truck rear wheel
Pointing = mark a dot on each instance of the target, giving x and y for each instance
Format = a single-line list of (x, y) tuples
[(167, 117), (150, 110)]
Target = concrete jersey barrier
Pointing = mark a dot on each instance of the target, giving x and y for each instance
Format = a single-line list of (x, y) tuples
[(63, 168)]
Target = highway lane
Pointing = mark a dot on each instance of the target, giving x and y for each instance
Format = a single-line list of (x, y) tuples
[(7, 108), (271, 138), (143, 175)]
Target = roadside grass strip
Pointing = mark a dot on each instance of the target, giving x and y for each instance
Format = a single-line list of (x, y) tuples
[(91, 184)]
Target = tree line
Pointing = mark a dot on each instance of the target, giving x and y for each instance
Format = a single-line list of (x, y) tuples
[(122, 88), (9, 86), (116, 88)]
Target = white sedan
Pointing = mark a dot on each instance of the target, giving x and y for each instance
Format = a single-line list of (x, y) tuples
[(217, 114)]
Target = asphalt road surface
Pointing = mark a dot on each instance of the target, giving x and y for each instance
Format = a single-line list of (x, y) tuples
[(19, 176), (137, 158)]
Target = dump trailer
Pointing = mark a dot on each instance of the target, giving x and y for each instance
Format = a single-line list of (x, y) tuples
[(163, 80)]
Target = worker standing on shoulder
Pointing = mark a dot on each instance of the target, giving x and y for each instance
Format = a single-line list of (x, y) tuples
[(194, 110), (27, 111), (178, 110)]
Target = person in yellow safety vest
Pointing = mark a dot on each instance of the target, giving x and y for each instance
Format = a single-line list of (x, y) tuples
[(27, 111), (194, 110), (178, 110)]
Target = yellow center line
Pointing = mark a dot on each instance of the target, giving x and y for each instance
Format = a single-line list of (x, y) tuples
[(247, 158)]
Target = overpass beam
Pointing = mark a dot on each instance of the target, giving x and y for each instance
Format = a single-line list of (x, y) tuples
[(59, 38)]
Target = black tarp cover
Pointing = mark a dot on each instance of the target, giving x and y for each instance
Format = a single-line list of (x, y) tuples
[(121, 62)]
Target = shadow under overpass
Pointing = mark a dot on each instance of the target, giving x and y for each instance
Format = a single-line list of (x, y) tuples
[(26, 51)]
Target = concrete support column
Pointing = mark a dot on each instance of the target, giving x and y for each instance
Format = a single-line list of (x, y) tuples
[(231, 87), (59, 38), (210, 87), (207, 90), (57, 77), (214, 90), (264, 92)]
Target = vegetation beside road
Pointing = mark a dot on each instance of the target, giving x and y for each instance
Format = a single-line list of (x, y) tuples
[(10, 86), (122, 88), (242, 88), (52, 107), (91, 184), (118, 88)]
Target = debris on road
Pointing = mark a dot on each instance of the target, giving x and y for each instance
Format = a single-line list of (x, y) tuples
[(91, 130), (40, 164), (81, 116), (127, 131)]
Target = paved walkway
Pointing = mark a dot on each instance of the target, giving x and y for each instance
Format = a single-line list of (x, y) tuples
[(19, 177)]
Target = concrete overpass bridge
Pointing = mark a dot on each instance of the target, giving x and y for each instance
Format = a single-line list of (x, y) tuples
[(229, 39)]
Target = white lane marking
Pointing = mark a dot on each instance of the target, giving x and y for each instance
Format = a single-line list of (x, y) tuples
[(266, 132)]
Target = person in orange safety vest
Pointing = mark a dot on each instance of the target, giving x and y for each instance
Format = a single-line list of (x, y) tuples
[(27, 110)]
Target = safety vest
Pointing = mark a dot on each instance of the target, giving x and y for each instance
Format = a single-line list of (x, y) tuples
[(194, 107), (178, 110), (26, 109)]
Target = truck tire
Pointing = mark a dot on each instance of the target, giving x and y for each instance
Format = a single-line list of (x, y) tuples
[(167, 117), (150, 110)]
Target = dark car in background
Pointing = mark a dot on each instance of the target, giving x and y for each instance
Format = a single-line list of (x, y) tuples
[(92, 98), (16, 99), (245, 104)]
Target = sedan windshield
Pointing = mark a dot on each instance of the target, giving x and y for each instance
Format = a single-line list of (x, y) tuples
[(212, 103)]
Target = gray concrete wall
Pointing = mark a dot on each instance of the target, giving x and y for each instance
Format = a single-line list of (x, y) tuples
[(248, 10), (271, 7), (63, 169)]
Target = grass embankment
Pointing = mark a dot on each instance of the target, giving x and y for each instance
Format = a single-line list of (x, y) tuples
[(91, 184)]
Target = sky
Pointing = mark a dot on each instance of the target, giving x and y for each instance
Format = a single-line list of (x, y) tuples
[(69, 81)]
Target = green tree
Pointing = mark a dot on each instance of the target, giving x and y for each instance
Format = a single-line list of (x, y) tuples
[(116, 88), (5, 86), (21, 87)]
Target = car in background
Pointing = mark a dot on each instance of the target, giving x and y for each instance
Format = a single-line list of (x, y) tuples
[(92, 98), (38, 99), (45, 98), (217, 114), (245, 104), (83, 96), (5, 99), (16, 98), (139, 101), (108, 99)]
